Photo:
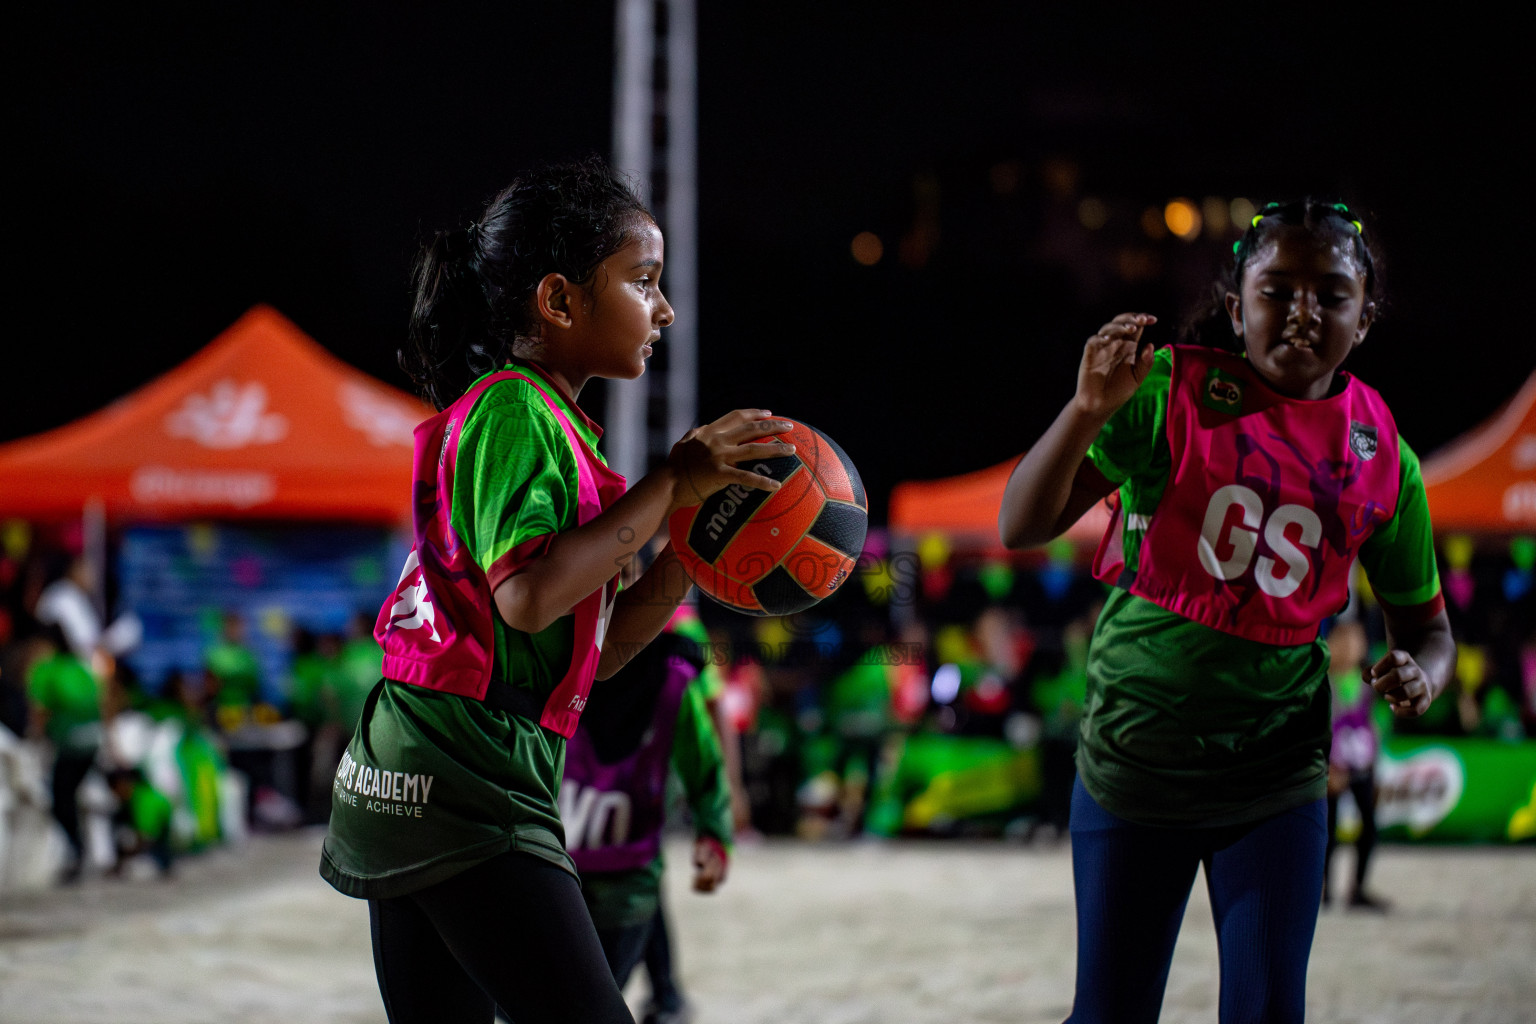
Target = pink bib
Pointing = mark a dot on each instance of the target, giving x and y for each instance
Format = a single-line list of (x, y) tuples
[(1267, 503), (614, 813), (437, 628)]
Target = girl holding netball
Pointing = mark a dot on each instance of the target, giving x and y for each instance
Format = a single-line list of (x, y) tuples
[(1250, 479), (444, 811)]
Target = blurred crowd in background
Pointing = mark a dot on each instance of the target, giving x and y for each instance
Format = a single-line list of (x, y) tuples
[(937, 694), (135, 769), (941, 694)]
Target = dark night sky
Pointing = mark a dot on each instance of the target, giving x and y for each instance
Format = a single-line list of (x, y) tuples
[(175, 170)]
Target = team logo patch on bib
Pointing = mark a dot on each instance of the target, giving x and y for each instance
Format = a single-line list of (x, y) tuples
[(1362, 440), (1222, 392)]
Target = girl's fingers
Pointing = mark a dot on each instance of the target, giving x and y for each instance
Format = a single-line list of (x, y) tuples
[(1404, 703), (759, 419), (737, 419), (763, 450), (708, 457), (747, 425), (1114, 337), (762, 428), (1395, 670), (754, 480), (1128, 322), (1398, 678), (1113, 351)]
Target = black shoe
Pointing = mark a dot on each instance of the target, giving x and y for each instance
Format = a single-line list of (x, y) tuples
[(1360, 900), (655, 1015)]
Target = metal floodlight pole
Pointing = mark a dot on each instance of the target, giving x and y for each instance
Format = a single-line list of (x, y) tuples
[(635, 119), (681, 276), (633, 98)]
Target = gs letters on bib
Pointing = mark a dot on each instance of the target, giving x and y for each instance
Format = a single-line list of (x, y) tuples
[(1267, 504)]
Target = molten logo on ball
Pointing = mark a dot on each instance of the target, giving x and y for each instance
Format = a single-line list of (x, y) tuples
[(736, 497), (778, 553)]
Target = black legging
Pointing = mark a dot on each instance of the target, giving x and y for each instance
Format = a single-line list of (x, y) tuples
[(658, 964), (69, 771), (512, 931), (1362, 786)]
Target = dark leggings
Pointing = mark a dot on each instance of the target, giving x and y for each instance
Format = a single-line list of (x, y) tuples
[(1362, 786), (1133, 882), (69, 771), (624, 947), (658, 964), (512, 931)]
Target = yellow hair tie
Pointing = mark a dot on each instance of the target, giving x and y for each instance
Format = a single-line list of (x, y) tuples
[(1256, 220), (1359, 228)]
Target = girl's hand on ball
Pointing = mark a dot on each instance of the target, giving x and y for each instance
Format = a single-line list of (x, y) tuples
[(707, 458), (1115, 362)]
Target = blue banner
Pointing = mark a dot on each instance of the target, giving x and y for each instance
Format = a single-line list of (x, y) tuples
[(182, 580)]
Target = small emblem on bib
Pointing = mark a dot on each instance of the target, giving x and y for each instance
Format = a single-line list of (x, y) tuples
[(1362, 441), (1223, 393)]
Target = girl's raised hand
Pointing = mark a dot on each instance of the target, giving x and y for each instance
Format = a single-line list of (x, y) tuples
[(1114, 363), (708, 458)]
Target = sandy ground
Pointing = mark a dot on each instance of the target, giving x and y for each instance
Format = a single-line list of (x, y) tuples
[(861, 933)]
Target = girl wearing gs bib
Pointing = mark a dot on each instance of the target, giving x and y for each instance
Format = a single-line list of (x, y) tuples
[(1250, 478), (445, 807)]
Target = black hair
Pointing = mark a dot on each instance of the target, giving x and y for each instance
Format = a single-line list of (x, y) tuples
[(1210, 325), (472, 286)]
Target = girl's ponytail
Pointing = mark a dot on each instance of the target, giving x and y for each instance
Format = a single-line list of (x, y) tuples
[(447, 341), (473, 288)]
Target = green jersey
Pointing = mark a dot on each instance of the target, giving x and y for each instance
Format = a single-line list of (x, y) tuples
[(69, 692), (357, 670), (858, 701), (1188, 725), (237, 672), (149, 810), (309, 678), (435, 782)]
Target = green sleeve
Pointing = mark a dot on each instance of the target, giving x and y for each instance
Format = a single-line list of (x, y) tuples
[(1399, 557), (700, 764), (1133, 440), (710, 675), (307, 675), (514, 482), (713, 681)]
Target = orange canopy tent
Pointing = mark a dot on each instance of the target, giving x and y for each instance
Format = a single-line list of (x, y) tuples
[(1485, 480), (263, 423), (964, 508)]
